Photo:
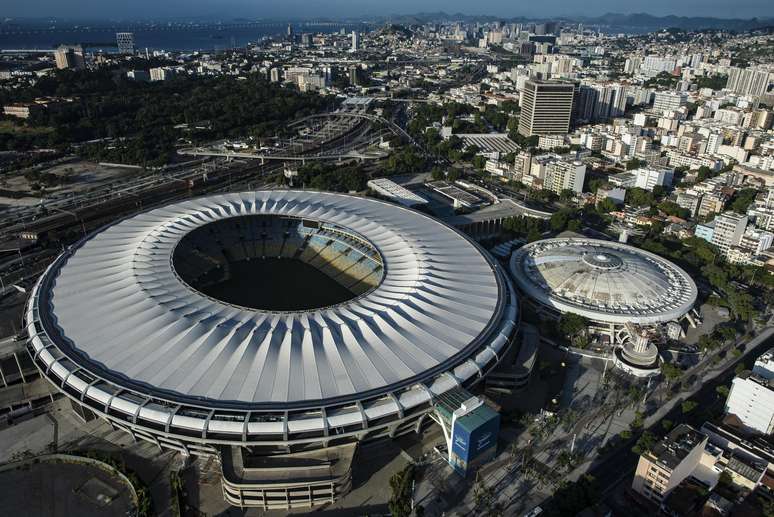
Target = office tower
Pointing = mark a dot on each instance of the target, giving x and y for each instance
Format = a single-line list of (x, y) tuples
[(274, 75), (125, 42), (355, 41), (69, 57), (546, 108)]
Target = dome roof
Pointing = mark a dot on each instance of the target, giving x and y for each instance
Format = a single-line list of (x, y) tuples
[(604, 281)]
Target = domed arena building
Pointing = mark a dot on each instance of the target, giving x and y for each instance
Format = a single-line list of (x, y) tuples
[(269, 329), (622, 290)]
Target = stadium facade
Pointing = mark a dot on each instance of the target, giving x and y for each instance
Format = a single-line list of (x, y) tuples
[(160, 324)]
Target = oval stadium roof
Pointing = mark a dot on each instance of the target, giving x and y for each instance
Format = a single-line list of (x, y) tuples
[(115, 306), (603, 281)]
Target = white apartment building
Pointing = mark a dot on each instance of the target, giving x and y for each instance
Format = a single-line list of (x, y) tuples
[(729, 229), (565, 175), (649, 177), (751, 399), (669, 101), (749, 81)]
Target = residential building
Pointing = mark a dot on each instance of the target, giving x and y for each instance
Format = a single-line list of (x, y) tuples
[(69, 57), (751, 400), (689, 201), (649, 177), (749, 81), (729, 229), (546, 108), (549, 142), (163, 73), (669, 101), (705, 231), (671, 461), (565, 175), (22, 110), (712, 203)]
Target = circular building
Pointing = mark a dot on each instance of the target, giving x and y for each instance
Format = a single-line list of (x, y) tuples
[(606, 282), (283, 321)]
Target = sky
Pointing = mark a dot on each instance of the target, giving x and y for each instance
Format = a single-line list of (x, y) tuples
[(226, 9)]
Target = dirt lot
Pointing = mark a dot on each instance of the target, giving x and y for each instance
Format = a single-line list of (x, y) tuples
[(76, 175)]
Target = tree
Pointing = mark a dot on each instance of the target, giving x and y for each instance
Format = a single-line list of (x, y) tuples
[(572, 325), (672, 208), (401, 485), (571, 498), (638, 197), (635, 163), (671, 372), (743, 199), (722, 391), (533, 235), (607, 205), (566, 194), (645, 442), (479, 162), (574, 225), (688, 406)]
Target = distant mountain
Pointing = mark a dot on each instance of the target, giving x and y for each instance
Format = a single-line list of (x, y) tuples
[(639, 21), (648, 21)]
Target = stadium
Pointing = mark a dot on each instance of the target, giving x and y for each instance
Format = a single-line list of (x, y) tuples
[(253, 325), (623, 291)]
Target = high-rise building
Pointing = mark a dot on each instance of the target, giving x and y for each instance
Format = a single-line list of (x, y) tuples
[(163, 73), (749, 81), (546, 108), (609, 101), (69, 57), (565, 175), (666, 465), (729, 229), (669, 101), (125, 42), (353, 75), (355, 41), (653, 65)]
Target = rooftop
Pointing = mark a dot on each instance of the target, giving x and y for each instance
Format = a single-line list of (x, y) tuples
[(603, 280), (676, 446)]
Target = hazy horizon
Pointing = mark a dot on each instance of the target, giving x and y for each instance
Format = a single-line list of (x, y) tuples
[(290, 9)]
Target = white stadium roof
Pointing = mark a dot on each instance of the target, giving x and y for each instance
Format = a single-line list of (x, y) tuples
[(603, 281), (115, 306)]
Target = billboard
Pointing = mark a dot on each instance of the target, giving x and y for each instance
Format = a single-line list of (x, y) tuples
[(474, 439)]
